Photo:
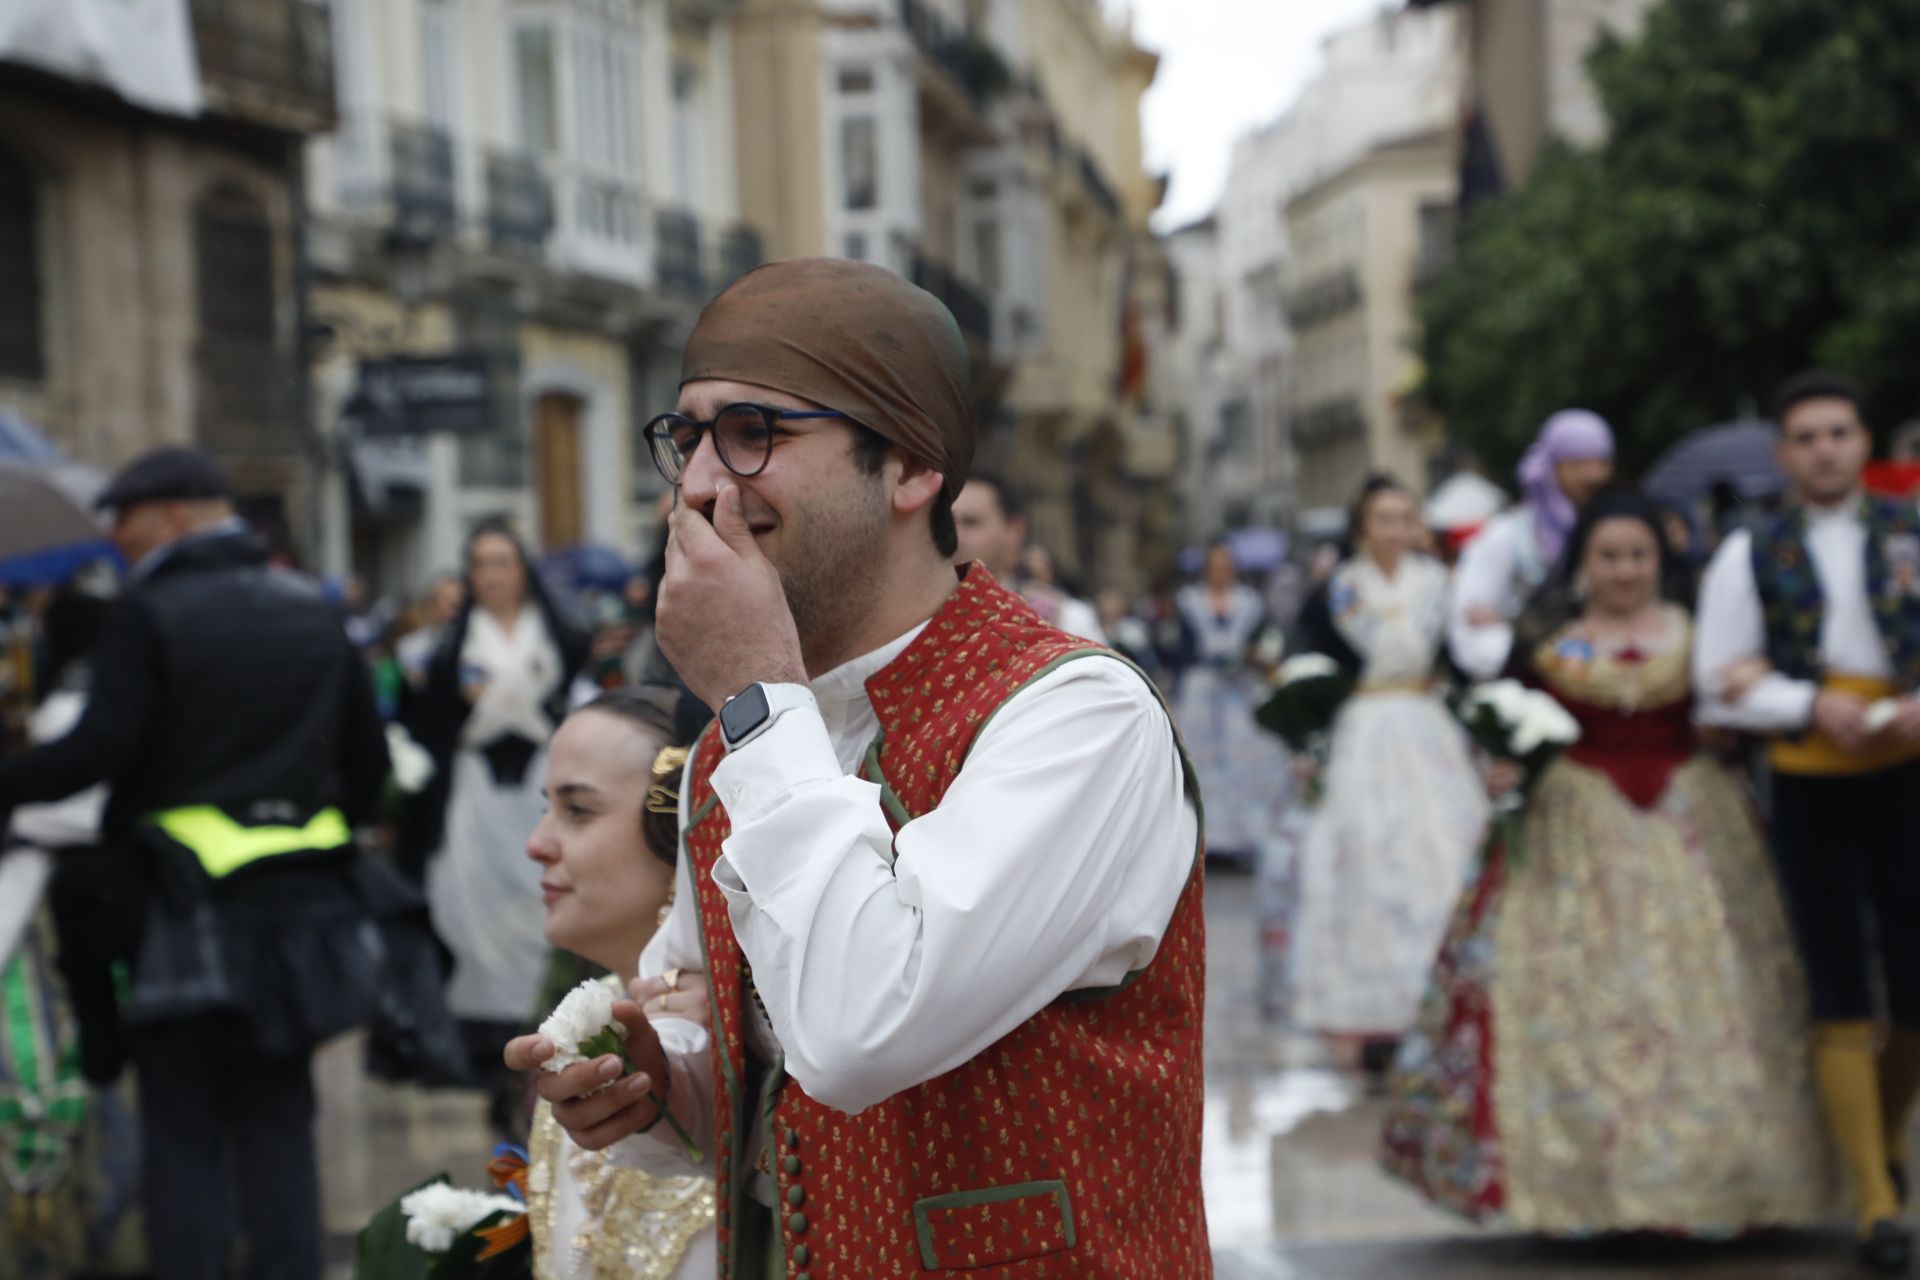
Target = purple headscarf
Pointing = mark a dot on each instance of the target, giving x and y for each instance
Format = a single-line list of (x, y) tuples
[(1571, 435)]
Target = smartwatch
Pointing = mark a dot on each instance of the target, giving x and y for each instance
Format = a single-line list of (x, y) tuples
[(752, 711)]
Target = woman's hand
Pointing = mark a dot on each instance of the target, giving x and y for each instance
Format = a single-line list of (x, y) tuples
[(679, 993)]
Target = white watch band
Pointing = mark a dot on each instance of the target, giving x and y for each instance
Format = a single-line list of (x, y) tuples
[(781, 698)]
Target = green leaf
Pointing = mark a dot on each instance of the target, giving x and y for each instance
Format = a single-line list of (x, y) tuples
[(608, 1040), (381, 1251)]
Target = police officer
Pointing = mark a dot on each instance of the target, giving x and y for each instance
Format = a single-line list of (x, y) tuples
[(237, 732)]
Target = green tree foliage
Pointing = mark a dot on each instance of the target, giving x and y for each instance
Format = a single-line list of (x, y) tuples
[(1755, 210)]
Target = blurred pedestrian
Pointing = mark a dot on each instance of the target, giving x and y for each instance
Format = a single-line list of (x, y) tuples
[(495, 689), (1403, 809), (1613, 1038), (1508, 561), (236, 730), (1810, 634), (437, 611), (992, 518), (1240, 766)]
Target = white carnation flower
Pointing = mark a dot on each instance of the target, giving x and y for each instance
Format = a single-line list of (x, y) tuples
[(1543, 721), (584, 1014), (1308, 666), (412, 763), (437, 1213), (1507, 699)]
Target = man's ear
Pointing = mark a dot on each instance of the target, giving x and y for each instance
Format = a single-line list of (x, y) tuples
[(916, 486)]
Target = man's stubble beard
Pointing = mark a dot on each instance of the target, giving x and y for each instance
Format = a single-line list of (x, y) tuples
[(833, 583)]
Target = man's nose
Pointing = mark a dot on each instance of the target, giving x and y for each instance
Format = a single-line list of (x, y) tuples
[(701, 475)]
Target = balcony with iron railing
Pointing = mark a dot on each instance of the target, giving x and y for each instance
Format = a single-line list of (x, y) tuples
[(696, 261), (267, 62), (970, 307), (520, 213)]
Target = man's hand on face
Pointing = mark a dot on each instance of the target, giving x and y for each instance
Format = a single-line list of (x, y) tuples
[(723, 620), (590, 1100)]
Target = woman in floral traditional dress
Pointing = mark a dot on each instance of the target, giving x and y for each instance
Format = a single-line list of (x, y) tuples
[(1614, 1038), (605, 853), (1403, 808), (1242, 770)]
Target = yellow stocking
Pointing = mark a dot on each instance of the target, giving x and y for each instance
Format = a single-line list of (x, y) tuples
[(1899, 1086), (1843, 1065)]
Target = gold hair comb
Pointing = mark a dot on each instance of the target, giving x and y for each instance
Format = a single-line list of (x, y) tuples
[(664, 795)]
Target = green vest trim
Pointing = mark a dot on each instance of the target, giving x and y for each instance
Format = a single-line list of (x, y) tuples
[(224, 846)]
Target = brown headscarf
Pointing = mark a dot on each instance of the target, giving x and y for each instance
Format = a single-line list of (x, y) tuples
[(850, 336)]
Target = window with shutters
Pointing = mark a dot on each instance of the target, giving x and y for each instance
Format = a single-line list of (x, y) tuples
[(244, 396), (22, 340)]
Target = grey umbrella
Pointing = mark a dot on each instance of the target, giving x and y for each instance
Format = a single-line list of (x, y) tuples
[(46, 531), (1739, 455)]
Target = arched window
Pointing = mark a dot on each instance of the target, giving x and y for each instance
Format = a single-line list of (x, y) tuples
[(243, 394), (22, 342)]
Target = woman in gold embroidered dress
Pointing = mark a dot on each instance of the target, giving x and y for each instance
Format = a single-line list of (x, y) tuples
[(1614, 1037), (606, 850)]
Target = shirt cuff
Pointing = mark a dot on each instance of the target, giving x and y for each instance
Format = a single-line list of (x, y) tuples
[(795, 751)]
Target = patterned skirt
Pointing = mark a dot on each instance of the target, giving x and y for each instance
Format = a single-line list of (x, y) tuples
[(1615, 1035)]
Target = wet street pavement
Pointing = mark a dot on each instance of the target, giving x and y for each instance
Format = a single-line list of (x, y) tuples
[(1292, 1189)]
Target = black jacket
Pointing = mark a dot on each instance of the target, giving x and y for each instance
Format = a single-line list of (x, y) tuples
[(218, 680), (221, 681)]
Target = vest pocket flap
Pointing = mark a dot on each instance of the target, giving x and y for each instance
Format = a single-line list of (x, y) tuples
[(993, 1226)]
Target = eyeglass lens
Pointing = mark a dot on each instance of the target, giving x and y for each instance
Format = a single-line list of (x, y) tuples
[(743, 435)]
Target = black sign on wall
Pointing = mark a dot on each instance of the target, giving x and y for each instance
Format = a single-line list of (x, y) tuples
[(423, 395)]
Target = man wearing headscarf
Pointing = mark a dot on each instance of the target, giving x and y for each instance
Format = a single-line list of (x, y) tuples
[(941, 865), (1570, 461)]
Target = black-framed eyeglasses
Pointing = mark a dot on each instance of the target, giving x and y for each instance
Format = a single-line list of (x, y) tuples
[(742, 436)]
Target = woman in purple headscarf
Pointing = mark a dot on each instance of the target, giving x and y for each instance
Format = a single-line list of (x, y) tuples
[(1570, 462)]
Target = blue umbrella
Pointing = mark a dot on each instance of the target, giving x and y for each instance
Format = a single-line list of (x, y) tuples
[(1258, 550), (48, 533), (588, 566)]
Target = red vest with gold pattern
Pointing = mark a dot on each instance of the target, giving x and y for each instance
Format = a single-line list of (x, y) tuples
[(1068, 1150)]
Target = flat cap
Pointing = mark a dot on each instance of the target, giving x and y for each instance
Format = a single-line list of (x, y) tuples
[(172, 474)]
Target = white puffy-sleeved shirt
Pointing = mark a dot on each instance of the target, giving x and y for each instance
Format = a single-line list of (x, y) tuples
[(1499, 569), (1053, 863), (1732, 627)]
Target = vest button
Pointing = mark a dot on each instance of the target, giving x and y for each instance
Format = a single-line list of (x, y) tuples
[(797, 1224), (792, 1138), (800, 1255), (803, 1276), (796, 1196), (791, 1164)]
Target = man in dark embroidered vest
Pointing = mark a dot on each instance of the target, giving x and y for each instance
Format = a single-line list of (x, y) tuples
[(941, 864), (1809, 632)]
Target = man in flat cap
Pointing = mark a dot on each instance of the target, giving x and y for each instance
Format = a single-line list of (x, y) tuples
[(238, 735), (941, 866)]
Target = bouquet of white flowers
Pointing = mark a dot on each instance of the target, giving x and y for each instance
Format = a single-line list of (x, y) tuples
[(1509, 721), (1301, 703), (438, 1231)]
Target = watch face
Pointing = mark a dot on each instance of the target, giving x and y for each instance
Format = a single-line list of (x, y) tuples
[(744, 712)]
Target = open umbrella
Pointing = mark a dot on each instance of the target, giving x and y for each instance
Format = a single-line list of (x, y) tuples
[(1737, 455), (587, 566), (48, 532)]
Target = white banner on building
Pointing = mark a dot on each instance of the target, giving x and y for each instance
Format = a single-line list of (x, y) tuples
[(141, 49)]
